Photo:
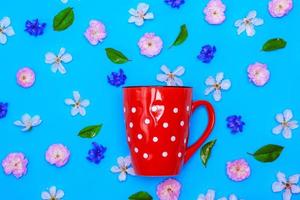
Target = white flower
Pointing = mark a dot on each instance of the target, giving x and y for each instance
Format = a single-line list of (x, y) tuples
[(140, 14), (64, 1), (217, 84), (285, 124), (210, 195), (53, 194), (124, 167), (5, 29), (248, 23), (56, 60), (289, 186), (231, 197), (28, 122), (170, 77), (78, 105)]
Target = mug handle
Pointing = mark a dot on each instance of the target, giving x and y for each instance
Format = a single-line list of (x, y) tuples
[(211, 122)]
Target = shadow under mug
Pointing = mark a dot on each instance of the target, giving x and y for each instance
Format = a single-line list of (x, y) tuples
[(157, 126)]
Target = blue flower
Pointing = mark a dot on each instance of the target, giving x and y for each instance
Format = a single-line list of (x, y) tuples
[(3, 109), (117, 78), (96, 154), (34, 27), (174, 3), (207, 53), (235, 123)]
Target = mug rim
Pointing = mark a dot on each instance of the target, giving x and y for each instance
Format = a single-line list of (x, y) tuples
[(157, 86)]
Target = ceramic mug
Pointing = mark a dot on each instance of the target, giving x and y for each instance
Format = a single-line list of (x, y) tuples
[(157, 127)]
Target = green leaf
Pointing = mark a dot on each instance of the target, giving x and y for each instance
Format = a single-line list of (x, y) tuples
[(183, 34), (274, 44), (90, 131), (206, 151), (116, 56), (268, 153), (140, 196), (63, 19)]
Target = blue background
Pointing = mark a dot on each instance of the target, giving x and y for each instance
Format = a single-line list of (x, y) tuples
[(87, 73)]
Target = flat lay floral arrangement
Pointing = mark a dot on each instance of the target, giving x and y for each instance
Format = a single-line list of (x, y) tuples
[(150, 45)]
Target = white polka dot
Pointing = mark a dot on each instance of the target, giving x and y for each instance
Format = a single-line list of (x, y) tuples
[(136, 149), (179, 155), (165, 125), (145, 155), (139, 136), (155, 139), (188, 108), (133, 109), (184, 140), (128, 138), (124, 109), (164, 154), (173, 138), (154, 108), (130, 124), (147, 121), (175, 110), (181, 123)]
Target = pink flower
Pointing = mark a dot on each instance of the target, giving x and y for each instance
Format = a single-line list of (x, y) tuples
[(279, 8), (16, 164), (258, 74), (57, 154), (25, 77), (168, 190), (95, 33), (238, 170), (214, 12), (150, 44)]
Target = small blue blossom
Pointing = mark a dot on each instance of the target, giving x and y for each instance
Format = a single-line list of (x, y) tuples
[(96, 154), (235, 123), (34, 27), (174, 3), (117, 78), (3, 109), (207, 53)]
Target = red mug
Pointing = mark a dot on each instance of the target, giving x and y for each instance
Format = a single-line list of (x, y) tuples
[(157, 127)]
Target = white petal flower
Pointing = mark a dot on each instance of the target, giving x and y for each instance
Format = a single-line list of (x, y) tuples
[(5, 30), (289, 186), (286, 124), (78, 105), (248, 24), (170, 77), (53, 194), (216, 85), (124, 168), (231, 197), (57, 60), (210, 195), (28, 122), (140, 14)]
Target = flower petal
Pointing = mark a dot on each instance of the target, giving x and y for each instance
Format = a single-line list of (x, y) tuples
[(210, 81), (55, 67), (257, 21), (294, 179), (161, 77), (61, 68), (131, 171), (121, 161), (225, 84), (277, 186), (50, 58), (250, 30), (281, 177), (133, 12), (287, 133), (217, 95), (69, 101), (288, 114), (60, 194), (52, 191), (293, 124), (209, 90), (61, 52), (233, 197), (295, 189), (115, 169), (66, 58), (287, 195), (45, 196), (82, 111), (36, 120), (178, 81), (149, 16), (276, 130), (179, 71), (279, 118), (3, 38), (26, 118), (165, 69), (241, 29), (5, 22), (219, 77), (210, 195), (122, 176), (19, 123), (74, 111), (142, 7), (76, 96), (238, 22), (251, 14), (139, 21), (132, 19), (85, 103), (9, 31)]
